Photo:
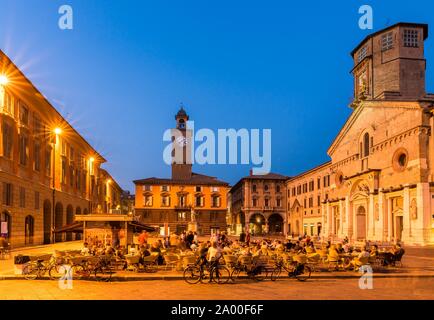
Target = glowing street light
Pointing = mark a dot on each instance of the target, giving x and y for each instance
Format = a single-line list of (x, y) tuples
[(3, 80), (57, 131), (91, 159)]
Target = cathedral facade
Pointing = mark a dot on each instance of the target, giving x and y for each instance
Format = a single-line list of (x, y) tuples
[(379, 182)]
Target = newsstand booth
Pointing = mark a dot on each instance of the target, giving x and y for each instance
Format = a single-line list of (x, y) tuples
[(109, 229)]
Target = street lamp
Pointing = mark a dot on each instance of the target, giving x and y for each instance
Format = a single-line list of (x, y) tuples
[(57, 131), (3, 80)]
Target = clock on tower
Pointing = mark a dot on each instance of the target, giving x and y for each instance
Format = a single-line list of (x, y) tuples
[(181, 170)]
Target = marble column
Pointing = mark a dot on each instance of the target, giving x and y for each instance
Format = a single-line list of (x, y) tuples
[(422, 229), (370, 218), (348, 230), (390, 234), (341, 218), (329, 221), (333, 221), (381, 235), (406, 219)]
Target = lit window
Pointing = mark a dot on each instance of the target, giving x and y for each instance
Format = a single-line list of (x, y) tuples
[(23, 143), (216, 202), (24, 114), (199, 201), (7, 133)]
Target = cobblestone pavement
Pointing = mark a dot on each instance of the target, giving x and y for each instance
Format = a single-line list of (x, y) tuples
[(416, 288)]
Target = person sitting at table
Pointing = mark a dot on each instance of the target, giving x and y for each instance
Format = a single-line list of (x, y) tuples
[(346, 247), (156, 248), (166, 243), (246, 252), (374, 251), (144, 251), (391, 256), (310, 248), (333, 254), (340, 248), (279, 246), (358, 261), (297, 247), (85, 251)]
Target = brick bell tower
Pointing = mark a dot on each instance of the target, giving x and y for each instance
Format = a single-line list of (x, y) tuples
[(390, 64), (181, 155)]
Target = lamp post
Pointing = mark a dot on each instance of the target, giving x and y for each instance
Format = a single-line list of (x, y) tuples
[(57, 132), (91, 161), (108, 196)]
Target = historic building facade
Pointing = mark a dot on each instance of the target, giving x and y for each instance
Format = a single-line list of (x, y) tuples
[(258, 204), (379, 184), (187, 201), (48, 172)]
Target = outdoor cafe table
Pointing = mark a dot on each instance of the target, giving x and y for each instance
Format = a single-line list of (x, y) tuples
[(347, 257)]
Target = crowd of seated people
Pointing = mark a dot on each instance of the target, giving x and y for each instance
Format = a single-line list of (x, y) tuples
[(220, 244)]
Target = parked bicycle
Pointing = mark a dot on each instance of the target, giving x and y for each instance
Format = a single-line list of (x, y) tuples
[(39, 266), (255, 268), (97, 267), (213, 271), (296, 268)]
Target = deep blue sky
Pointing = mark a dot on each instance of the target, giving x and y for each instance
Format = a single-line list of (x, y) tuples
[(120, 75)]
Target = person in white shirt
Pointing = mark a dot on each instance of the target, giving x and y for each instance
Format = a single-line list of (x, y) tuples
[(214, 252), (85, 250), (357, 262)]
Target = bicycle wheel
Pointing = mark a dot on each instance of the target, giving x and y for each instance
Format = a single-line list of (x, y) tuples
[(192, 274), (58, 271), (275, 274), (302, 274), (235, 274), (79, 272), (259, 273), (220, 274), (31, 271), (103, 274)]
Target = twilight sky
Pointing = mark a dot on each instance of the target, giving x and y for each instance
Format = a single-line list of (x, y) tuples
[(121, 73)]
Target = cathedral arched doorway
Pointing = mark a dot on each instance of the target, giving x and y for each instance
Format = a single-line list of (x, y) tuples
[(361, 223)]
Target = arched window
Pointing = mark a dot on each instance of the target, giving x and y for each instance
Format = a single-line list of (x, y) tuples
[(366, 145)]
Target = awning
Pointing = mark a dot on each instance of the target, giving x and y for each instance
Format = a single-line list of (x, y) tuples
[(138, 226), (76, 227)]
